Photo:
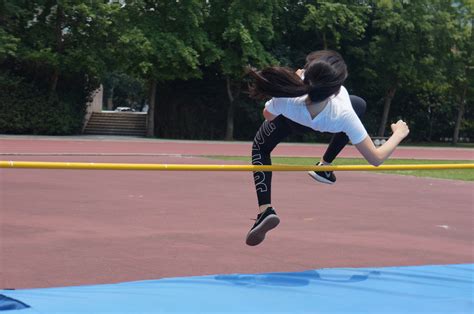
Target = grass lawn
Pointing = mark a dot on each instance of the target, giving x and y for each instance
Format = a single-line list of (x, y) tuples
[(455, 174), (438, 144)]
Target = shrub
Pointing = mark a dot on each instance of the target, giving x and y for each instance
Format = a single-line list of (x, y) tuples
[(25, 109)]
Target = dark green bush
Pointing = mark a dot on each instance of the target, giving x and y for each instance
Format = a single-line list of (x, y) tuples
[(25, 109)]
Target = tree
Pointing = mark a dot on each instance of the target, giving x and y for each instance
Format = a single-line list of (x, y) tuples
[(242, 30), (448, 58), (10, 13), (8, 44), (54, 50), (167, 42), (63, 36), (400, 48), (332, 21), (460, 65)]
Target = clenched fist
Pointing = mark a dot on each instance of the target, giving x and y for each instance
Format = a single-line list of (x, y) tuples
[(400, 128)]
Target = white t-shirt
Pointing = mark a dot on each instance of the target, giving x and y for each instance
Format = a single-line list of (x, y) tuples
[(337, 116)]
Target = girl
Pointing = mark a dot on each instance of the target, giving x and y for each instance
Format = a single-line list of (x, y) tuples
[(317, 102)]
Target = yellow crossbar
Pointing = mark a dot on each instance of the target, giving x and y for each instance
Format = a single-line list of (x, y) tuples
[(183, 167)]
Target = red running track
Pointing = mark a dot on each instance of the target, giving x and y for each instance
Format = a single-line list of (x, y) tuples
[(71, 227), (111, 145)]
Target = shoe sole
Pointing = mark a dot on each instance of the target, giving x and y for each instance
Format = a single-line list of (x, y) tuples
[(318, 178), (257, 235)]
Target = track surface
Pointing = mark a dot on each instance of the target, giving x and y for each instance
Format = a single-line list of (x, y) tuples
[(118, 145), (69, 227)]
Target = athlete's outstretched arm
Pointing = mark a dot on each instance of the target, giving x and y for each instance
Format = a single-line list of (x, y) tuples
[(376, 156)]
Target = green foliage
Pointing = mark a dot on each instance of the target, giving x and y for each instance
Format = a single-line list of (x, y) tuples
[(332, 21), (165, 38), (125, 90), (68, 36), (242, 30), (26, 110), (56, 52), (8, 44)]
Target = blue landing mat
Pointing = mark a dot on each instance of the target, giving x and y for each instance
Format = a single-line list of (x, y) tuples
[(415, 289)]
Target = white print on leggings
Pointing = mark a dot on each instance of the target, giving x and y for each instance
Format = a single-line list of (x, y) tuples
[(259, 177)]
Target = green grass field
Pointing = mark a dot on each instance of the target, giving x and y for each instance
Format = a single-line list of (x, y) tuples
[(437, 144), (455, 174)]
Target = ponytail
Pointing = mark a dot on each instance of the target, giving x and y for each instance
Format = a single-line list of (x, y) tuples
[(276, 82), (325, 72)]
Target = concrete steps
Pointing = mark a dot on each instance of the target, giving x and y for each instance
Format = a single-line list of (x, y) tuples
[(117, 123)]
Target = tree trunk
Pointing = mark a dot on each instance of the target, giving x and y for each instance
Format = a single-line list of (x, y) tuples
[(462, 105), (175, 130), (229, 134), (151, 110), (430, 131), (59, 47), (386, 108), (325, 42), (54, 81)]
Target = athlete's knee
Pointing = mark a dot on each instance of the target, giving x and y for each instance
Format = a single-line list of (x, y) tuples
[(260, 156), (260, 152), (358, 104), (265, 139)]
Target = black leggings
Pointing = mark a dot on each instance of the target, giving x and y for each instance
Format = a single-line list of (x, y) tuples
[(271, 133)]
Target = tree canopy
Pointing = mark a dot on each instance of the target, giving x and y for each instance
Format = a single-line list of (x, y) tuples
[(186, 59)]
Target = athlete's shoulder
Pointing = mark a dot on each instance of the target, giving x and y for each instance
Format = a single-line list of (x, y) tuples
[(343, 92), (288, 101), (342, 99)]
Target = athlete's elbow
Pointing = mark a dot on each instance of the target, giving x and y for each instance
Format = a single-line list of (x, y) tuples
[(370, 153), (376, 161)]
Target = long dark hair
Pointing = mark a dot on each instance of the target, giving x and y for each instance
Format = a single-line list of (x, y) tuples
[(325, 72)]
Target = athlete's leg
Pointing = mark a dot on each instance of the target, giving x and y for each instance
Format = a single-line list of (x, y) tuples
[(338, 142), (268, 136)]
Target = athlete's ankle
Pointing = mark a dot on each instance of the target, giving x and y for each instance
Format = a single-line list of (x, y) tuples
[(324, 162), (263, 208)]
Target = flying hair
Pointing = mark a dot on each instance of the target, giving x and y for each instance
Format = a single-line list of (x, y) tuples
[(325, 72)]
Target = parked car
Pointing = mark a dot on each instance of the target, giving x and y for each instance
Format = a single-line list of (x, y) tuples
[(124, 109)]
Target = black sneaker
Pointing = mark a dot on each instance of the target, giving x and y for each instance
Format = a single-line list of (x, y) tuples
[(265, 222), (327, 177)]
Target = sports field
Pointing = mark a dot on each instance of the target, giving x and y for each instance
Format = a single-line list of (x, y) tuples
[(64, 228)]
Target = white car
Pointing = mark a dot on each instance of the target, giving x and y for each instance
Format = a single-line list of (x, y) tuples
[(124, 109)]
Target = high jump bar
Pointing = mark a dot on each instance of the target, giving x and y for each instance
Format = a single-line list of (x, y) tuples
[(204, 167)]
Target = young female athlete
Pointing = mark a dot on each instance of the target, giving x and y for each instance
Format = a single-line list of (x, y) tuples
[(317, 102)]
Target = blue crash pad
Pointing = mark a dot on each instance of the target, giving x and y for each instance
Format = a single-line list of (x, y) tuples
[(414, 289)]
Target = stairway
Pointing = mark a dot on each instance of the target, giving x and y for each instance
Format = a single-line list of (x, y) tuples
[(117, 123)]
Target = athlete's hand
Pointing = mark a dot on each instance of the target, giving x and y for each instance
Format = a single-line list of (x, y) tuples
[(300, 72), (400, 128)]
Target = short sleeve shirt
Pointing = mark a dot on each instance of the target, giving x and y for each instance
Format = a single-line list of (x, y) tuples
[(337, 116)]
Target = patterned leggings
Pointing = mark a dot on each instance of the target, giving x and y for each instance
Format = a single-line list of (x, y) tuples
[(271, 133)]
